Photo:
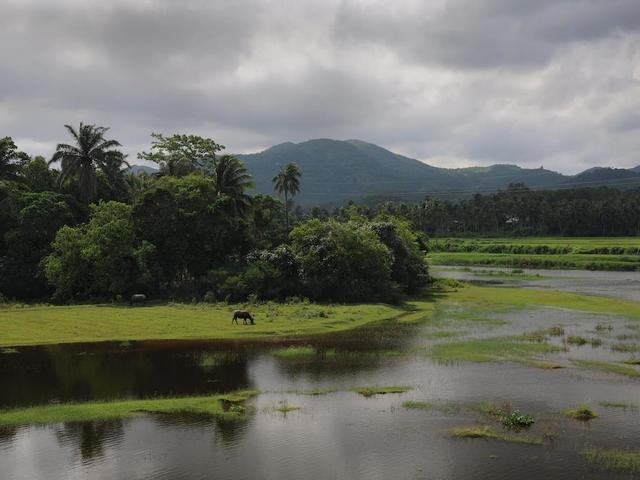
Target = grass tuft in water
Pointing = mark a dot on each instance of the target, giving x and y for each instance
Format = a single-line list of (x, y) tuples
[(623, 405), (448, 408), (376, 390), (610, 367), (581, 412), (616, 460), (486, 432), (286, 407)]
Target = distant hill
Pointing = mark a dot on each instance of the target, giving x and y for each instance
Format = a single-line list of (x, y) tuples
[(334, 171), (138, 169)]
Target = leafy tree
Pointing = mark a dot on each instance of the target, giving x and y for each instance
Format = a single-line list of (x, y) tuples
[(90, 150), (267, 222), (181, 155), (287, 183), (341, 261), (39, 217), (409, 269), (101, 258), (37, 175), (11, 159), (191, 227)]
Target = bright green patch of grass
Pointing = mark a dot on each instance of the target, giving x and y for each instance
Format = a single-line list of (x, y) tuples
[(314, 392), (486, 432), (617, 460), (496, 349), (286, 407), (448, 408), (93, 323), (295, 352), (623, 405), (492, 299), (581, 412), (610, 367), (224, 407), (377, 390)]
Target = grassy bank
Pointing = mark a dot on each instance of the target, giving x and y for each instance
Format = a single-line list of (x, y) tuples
[(92, 323), (224, 407), (621, 254)]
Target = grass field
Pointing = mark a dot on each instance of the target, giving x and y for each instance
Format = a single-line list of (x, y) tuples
[(618, 253), (39, 325)]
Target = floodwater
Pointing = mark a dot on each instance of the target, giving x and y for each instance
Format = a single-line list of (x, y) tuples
[(339, 435)]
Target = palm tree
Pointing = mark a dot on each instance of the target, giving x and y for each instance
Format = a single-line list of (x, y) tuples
[(287, 182), (232, 178), (90, 149)]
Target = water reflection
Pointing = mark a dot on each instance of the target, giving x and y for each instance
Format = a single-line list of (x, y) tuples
[(90, 439)]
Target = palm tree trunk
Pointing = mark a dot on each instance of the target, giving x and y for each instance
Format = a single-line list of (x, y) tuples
[(286, 211)]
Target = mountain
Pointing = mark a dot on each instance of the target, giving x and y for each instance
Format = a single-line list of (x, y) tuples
[(614, 177), (138, 169), (334, 171)]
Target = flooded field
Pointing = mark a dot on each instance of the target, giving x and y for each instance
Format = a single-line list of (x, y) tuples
[(326, 409)]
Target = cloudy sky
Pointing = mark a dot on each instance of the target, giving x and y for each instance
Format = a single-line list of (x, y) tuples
[(450, 82)]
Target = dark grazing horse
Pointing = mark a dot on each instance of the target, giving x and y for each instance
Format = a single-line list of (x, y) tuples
[(244, 315)]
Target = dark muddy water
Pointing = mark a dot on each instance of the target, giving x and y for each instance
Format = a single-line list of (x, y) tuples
[(340, 435)]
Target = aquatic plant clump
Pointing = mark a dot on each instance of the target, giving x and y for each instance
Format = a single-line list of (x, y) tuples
[(486, 432), (516, 420), (581, 412), (376, 390)]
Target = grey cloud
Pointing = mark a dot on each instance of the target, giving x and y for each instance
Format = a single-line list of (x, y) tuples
[(478, 81)]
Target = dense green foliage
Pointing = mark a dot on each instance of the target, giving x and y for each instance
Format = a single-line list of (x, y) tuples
[(520, 211), (96, 231)]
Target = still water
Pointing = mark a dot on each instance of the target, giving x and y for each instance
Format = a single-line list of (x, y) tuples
[(339, 435)]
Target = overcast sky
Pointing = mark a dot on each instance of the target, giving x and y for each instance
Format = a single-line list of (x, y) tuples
[(449, 82)]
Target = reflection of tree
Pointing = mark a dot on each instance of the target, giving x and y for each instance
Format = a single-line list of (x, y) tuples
[(232, 432), (64, 373), (7, 434), (91, 437)]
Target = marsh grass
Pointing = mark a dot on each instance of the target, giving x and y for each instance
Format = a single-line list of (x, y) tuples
[(486, 432), (581, 412), (448, 408), (623, 405), (495, 349), (223, 407), (285, 407), (314, 392), (625, 347), (579, 341), (615, 460), (610, 367), (379, 390)]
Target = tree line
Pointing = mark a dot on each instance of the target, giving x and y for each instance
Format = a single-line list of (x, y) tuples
[(82, 226), (520, 211)]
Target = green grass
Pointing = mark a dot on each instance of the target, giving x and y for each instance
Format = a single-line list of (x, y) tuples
[(616, 460), (92, 323), (295, 352), (224, 407), (314, 392), (610, 367), (496, 349), (581, 412), (491, 299), (486, 432), (378, 390), (448, 408), (285, 407), (623, 405), (563, 261)]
